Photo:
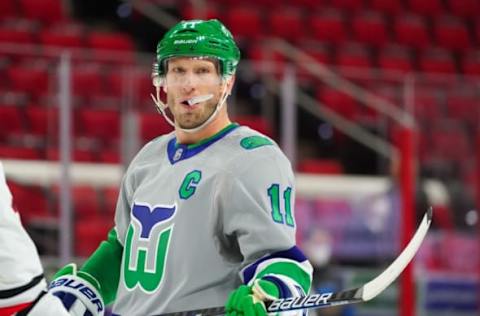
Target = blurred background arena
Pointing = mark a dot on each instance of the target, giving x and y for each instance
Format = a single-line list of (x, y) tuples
[(376, 103)]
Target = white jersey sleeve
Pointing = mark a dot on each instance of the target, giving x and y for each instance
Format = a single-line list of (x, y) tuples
[(258, 214), (257, 189), (21, 273)]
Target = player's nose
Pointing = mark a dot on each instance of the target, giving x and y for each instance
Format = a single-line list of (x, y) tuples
[(190, 81)]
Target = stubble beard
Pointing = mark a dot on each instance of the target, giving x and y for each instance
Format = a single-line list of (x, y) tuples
[(195, 118)]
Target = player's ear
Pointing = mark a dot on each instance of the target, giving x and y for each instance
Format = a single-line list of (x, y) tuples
[(164, 84), (230, 83)]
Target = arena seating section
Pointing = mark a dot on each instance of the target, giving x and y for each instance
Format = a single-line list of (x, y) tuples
[(437, 36)]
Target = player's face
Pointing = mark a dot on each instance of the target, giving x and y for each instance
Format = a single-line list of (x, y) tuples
[(187, 78)]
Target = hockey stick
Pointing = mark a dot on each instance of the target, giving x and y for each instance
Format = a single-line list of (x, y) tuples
[(361, 294)]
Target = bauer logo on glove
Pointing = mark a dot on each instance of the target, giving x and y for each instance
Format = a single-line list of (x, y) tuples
[(78, 286)]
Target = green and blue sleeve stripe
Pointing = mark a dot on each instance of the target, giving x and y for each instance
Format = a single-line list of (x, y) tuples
[(289, 270)]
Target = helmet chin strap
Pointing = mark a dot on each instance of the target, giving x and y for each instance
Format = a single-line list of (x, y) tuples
[(161, 107)]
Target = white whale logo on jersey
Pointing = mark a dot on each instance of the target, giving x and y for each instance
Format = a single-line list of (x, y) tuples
[(146, 246)]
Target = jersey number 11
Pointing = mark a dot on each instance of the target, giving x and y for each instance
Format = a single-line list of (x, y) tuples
[(274, 194)]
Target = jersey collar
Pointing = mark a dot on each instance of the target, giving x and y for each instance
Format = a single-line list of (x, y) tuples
[(178, 152)]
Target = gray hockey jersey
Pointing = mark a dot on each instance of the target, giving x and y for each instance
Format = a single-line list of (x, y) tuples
[(196, 221)]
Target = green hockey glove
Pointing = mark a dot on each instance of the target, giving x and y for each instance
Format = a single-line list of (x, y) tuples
[(249, 300)]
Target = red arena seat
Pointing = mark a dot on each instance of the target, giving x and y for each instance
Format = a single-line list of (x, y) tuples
[(257, 123), (110, 196), (80, 155), (328, 25), (262, 55), (13, 35), (46, 11), (426, 7), (464, 8), (11, 121), (348, 5), (287, 23), (389, 92), (86, 202), (64, 35), (470, 62), (100, 124), (320, 166), (109, 156), (370, 27), (8, 9), (142, 86), (153, 125), (14, 152), (338, 101), (444, 138), (310, 4), (89, 233), (477, 31), (34, 80), (451, 33), (244, 22), (353, 55), (29, 201), (189, 12), (320, 53), (110, 41), (411, 30), (437, 60), (87, 80), (42, 121), (426, 104), (257, 4), (392, 7), (464, 107), (395, 58)]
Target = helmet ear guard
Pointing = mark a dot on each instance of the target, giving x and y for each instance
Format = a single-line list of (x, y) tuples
[(157, 79)]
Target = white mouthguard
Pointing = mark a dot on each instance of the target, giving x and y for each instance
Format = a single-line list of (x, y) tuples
[(200, 98)]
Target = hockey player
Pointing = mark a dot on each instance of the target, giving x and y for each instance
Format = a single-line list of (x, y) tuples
[(21, 274), (205, 215)]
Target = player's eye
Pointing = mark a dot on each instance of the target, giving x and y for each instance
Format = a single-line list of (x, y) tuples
[(178, 70), (203, 70)]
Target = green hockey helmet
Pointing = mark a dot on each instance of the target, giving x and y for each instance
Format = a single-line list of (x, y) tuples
[(199, 38)]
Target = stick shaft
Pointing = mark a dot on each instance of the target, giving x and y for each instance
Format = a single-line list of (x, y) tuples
[(360, 294)]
